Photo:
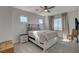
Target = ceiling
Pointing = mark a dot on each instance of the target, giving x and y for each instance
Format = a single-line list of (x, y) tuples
[(54, 11)]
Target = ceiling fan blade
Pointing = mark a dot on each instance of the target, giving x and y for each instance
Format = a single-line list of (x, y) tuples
[(48, 11), (42, 11), (51, 7), (42, 7), (46, 8)]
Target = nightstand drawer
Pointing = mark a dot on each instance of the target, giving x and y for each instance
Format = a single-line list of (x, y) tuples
[(23, 38)]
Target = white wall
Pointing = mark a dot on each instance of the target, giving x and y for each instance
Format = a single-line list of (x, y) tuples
[(10, 26), (19, 28), (46, 22), (71, 16), (5, 23), (71, 19)]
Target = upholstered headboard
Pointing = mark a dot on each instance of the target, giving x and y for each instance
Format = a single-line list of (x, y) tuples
[(33, 27)]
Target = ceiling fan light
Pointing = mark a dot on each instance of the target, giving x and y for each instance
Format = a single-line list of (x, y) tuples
[(45, 10)]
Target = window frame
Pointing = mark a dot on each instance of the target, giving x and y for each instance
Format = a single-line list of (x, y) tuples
[(21, 21), (41, 23), (61, 22)]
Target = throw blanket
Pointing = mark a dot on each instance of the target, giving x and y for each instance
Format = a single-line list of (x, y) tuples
[(46, 35)]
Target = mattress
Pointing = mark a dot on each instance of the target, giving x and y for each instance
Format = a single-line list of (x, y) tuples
[(37, 35), (41, 36)]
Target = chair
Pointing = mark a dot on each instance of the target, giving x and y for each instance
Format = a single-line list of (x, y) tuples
[(73, 34)]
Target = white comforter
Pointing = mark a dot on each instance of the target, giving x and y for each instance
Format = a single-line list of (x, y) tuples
[(42, 36)]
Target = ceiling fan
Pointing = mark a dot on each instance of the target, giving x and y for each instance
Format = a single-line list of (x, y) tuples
[(46, 8)]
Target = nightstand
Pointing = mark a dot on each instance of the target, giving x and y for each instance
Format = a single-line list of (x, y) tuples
[(23, 38)]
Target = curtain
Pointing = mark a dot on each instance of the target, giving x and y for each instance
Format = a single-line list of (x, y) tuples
[(51, 22), (65, 23)]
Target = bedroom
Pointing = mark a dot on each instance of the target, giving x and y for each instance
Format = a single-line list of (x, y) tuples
[(12, 26)]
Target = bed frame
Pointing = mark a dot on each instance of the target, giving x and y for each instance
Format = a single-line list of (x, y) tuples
[(45, 46), (29, 28)]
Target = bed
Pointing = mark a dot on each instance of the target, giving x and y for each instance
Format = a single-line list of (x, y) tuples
[(43, 38)]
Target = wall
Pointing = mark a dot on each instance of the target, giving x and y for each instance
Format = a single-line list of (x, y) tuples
[(71, 16), (5, 23), (10, 26), (46, 22), (71, 19), (19, 28)]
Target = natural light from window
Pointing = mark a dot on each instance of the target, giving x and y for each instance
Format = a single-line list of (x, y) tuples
[(40, 21), (23, 19), (65, 39), (58, 24)]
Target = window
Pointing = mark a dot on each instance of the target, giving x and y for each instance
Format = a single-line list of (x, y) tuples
[(58, 23), (40, 21), (23, 19)]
